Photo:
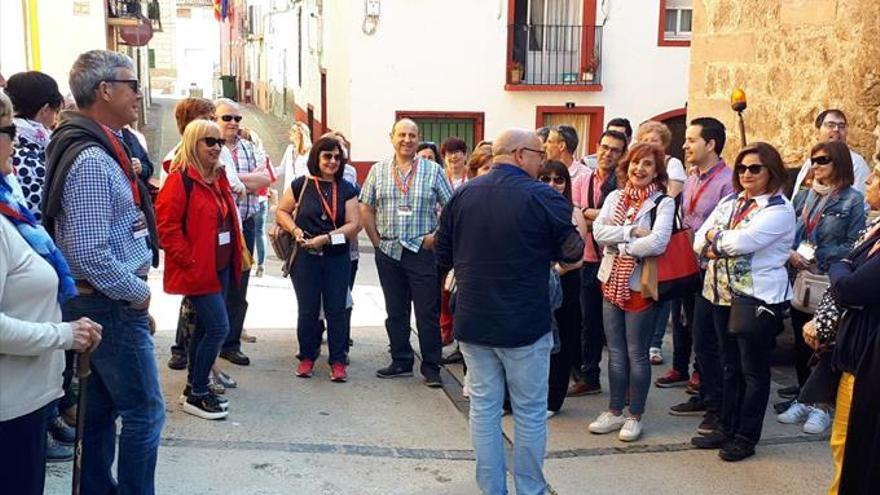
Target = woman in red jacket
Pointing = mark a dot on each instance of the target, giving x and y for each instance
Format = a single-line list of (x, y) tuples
[(200, 233)]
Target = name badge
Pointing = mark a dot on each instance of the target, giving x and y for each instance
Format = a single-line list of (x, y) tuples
[(223, 238), (139, 228), (807, 250), (404, 211)]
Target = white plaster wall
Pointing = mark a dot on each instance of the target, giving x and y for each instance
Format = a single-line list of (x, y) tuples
[(451, 55), (12, 47), (197, 50)]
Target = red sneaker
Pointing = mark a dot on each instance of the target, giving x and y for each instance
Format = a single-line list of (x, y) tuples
[(693, 386), (304, 370), (338, 373), (672, 378)]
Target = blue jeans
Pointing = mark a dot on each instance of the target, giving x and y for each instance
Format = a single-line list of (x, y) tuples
[(260, 231), (662, 318), (526, 370), (212, 326), (124, 383), (316, 278), (629, 337)]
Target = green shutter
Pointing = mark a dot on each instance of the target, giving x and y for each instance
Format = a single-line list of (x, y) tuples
[(438, 130)]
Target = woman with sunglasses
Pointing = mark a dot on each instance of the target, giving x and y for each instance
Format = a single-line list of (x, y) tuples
[(745, 242), (568, 316), (830, 215), (200, 232), (325, 221), (635, 223)]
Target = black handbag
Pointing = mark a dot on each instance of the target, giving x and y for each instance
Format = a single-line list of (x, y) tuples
[(750, 316), (282, 241)]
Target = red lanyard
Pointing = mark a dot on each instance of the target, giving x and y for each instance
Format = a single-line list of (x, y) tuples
[(464, 177), (744, 211), (331, 211), (810, 224), (124, 164), (702, 189), (218, 198), (404, 187)]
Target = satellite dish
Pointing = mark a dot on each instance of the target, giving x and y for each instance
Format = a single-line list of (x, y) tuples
[(138, 35)]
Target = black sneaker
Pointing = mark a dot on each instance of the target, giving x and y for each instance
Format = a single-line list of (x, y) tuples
[(205, 407), (177, 362), (452, 358), (781, 407), (432, 379), (223, 401), (55, 452), (394, 370), (63, 434), (709, 424), (789, 392), (715, 440), (693, 407), (236, 357), (737, 450)]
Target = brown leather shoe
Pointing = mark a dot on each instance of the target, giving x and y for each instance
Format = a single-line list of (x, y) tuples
[(579, 389)]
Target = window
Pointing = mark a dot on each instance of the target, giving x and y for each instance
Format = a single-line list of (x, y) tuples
[(437, 126), (676, 22)]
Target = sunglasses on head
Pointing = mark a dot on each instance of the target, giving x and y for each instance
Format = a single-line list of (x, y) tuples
[(211, 142), (554, 179), (9, 130), (230, 118), (753, 169), (820, 160)]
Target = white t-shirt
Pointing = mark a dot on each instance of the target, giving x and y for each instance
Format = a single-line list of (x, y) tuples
[(861, 170), (675, 170)]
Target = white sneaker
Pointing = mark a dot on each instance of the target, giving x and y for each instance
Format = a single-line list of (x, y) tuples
[(464, 391), (655, 354), (817, 422), (550, 414), (796, 413), (606, 423), (631, 430)]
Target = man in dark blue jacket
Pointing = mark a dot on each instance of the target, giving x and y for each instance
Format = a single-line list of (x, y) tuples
[(501, 232)]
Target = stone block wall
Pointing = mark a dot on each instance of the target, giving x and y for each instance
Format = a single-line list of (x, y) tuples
[(793, 58)]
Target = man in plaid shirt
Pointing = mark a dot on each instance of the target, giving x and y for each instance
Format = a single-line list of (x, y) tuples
[(399, 210)]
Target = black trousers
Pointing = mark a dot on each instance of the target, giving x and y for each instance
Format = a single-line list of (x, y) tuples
[(802, 352), (708, 353), (406, 283), (682, 341), (23, 452), (236, 298), (568, 317), (746, 379), (592, 327)]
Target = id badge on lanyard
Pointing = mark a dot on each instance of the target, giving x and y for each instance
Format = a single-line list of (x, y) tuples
[(139, 228)]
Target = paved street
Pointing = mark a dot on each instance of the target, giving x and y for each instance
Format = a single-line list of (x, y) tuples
[(286, 435)]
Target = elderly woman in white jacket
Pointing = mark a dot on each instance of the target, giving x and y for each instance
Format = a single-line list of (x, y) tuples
[(629, 232), (746, 241), (32, 337)]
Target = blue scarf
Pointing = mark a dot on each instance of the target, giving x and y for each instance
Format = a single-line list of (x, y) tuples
[(38, 239)]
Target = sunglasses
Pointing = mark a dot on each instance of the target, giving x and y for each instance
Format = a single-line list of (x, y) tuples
[(211, 142), (554, 179), (541, 153), (134, 84), (327, 155), (820, 160), (230, 118), (9, 130), (753, 169)]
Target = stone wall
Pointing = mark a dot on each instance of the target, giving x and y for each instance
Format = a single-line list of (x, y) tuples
[(793, 58)]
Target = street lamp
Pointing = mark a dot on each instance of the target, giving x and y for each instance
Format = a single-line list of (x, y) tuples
[(738, 104)]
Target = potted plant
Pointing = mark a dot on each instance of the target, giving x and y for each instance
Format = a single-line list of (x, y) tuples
[(591, 67), (515, 70)]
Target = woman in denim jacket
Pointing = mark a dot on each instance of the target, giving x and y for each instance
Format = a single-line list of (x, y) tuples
[(830, 216)]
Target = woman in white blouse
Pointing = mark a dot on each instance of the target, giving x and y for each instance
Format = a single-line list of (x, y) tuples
[(33, 280), (746, 241), (296, 155)]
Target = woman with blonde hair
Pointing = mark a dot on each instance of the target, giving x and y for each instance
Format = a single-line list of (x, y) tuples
[(294, 163), (199, 230)]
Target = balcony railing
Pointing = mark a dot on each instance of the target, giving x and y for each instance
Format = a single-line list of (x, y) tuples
[(133, 12), (554, 55)]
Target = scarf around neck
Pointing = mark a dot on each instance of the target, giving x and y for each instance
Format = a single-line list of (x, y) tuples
[(37, 238), (617, 289), (32, 131)]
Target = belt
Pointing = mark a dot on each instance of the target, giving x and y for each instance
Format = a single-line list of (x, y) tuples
[(85, 288)]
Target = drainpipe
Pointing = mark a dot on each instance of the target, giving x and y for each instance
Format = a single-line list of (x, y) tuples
[(32, 33)]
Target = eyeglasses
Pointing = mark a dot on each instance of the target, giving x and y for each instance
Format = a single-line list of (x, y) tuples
[(211, 142), (9, 130), (752, 169), (610, 149), (830, 125), (327, 155), (820, 160), (546, 179), (230, 118), (134, 84), (540, 153)]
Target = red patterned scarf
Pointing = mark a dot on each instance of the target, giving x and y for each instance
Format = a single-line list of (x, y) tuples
[(616, 289)]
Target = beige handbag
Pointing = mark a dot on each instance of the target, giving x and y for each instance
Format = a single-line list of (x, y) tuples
[(808, 290)]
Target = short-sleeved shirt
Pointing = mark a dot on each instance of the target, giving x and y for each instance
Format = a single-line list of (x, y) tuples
[(242, 159), (428, 189), (312, 217)]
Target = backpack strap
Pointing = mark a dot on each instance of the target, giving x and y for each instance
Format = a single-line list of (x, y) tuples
[(187, 187)]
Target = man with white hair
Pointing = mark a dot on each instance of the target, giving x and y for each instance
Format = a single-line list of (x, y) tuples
[(501, 233), (103, 222)]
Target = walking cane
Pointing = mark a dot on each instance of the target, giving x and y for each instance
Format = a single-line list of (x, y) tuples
[(83, 371), (738, 104)]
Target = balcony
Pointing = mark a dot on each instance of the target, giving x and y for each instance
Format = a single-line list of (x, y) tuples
[(544, 57), (133, 13)]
